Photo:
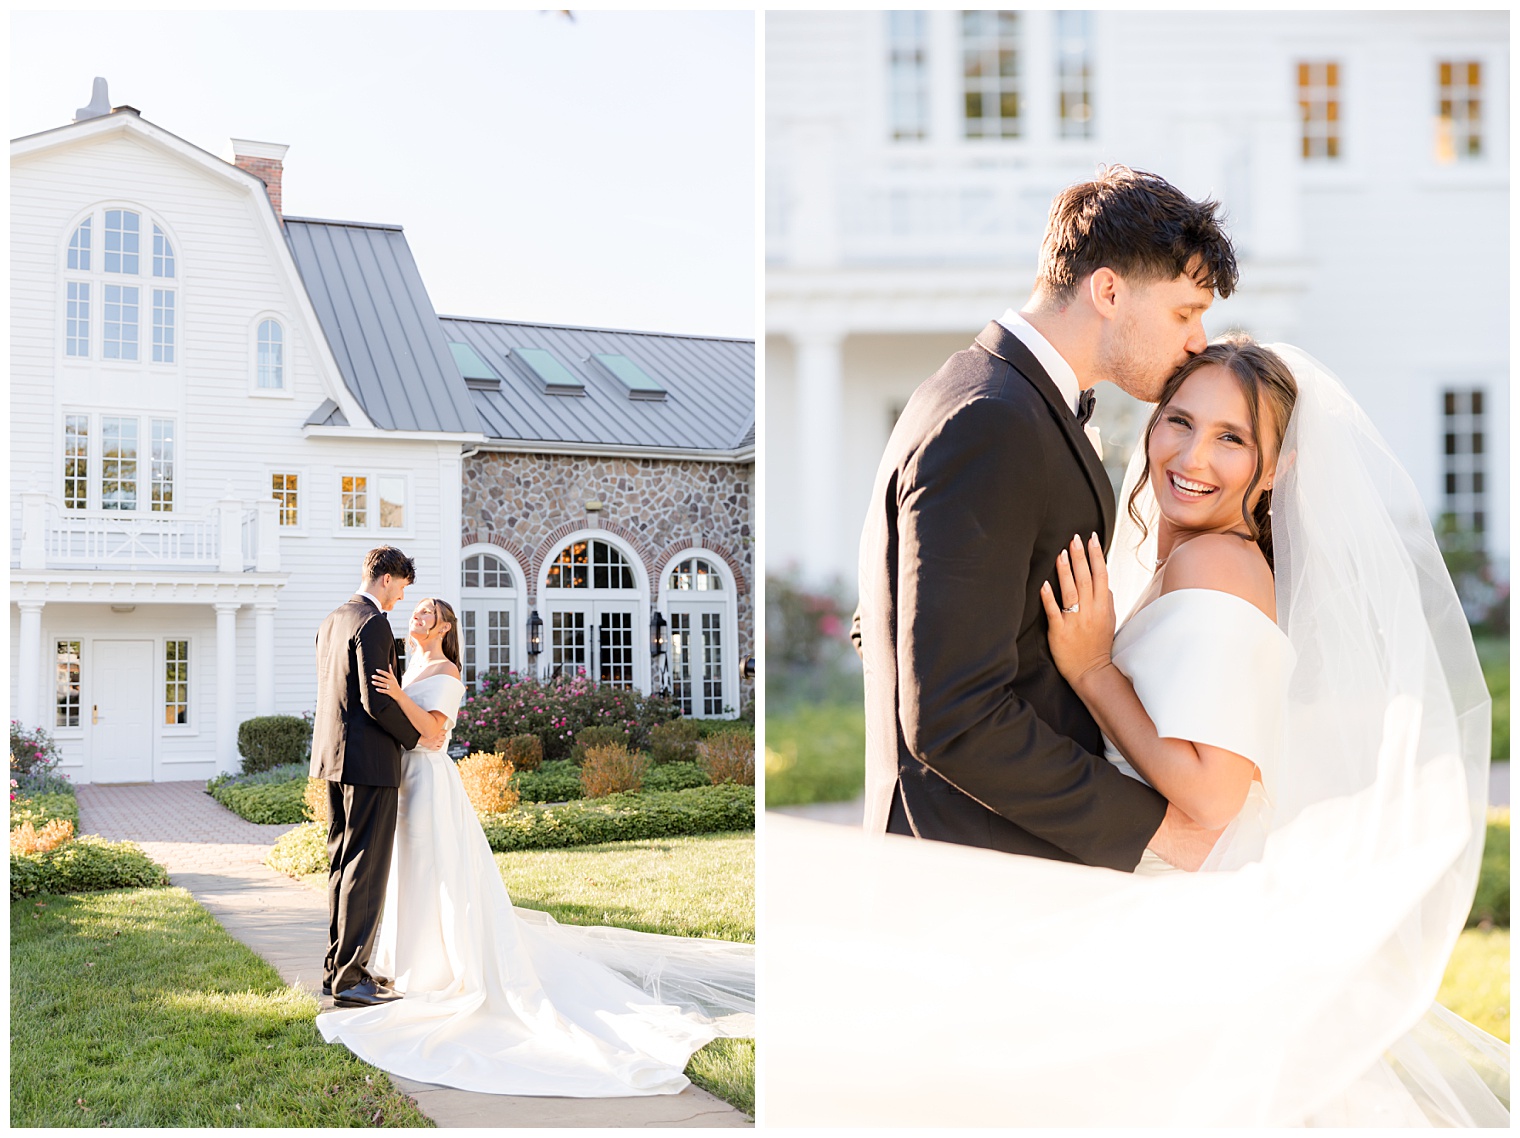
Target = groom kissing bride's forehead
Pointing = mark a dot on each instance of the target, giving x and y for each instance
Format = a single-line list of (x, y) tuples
[(973, 737)]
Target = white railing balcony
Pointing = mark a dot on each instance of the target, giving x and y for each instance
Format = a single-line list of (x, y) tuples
[(225, 539)]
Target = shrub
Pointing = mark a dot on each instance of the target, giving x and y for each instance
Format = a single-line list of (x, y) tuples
[(285, 772), (85, 865), (34, 757), (40, 809), (271, 740), (267, 804), (623, 818), (300, 851), (740, 726), (589, 737), (729, 757), (674, 742), (26, 840), (676, 776), (556, 711), (557, 781), (487, 778), (611, 768), (314, 802), (524, 752)]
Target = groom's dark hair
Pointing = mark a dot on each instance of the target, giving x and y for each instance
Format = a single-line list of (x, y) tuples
[(388, 559), (1140, 226)]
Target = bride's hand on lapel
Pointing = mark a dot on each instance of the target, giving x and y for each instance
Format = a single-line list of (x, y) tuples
[(1082, 626), (386, 683)]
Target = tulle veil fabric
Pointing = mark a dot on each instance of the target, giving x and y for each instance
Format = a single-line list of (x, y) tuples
[(943, 985)]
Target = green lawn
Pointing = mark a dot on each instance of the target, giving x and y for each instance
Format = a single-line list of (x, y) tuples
[(135, 1008), (815, 753), (1493, 654), (1476, 984)]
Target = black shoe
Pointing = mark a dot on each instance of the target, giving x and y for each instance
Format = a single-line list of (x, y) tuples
[(327, 987), (365, 994)]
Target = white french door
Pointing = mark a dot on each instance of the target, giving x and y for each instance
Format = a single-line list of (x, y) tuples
[(121, 711), (697, 659), (598, 637)]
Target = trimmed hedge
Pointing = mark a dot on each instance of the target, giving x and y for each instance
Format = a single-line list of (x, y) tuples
[(676, 776), (272, 740), (616, 818), (85, 865), (555, 781), (268, 804), (40, 809)]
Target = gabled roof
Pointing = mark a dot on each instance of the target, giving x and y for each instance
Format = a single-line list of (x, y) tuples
[(709, 386), (380, 325)]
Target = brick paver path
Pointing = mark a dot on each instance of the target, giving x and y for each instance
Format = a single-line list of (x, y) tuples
[(219, 859)]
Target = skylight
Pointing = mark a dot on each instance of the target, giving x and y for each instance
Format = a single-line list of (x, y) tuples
[(638, 382), (470, 365), (557, 378)]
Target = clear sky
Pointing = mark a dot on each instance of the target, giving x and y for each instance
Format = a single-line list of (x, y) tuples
[(598, 171)]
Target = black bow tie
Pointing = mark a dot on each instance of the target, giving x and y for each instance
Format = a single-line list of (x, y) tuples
[(1085, 404)]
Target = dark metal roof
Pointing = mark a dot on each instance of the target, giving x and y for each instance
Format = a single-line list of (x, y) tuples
[(380, 324), (709, 384), (327, 414)]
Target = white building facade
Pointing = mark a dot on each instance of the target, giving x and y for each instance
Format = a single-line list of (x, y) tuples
[(180, 525), (1362, 158)]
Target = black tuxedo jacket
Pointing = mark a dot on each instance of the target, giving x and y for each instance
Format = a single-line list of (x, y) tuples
[(359, 733), (972, 736)]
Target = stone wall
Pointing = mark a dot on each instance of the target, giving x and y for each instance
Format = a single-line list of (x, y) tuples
[(528, 503)]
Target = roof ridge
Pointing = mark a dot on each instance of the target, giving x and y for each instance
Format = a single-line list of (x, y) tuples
[(345, 224), (595, 328)]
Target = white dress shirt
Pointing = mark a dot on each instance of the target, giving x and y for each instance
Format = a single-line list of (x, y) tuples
[(1055, 365), (372, 600)]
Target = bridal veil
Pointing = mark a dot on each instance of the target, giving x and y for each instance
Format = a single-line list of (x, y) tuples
[(917, 983)]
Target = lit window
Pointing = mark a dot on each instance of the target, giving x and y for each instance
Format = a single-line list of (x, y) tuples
[(76, 332), (271, 356), (590, 565), (355, 501), (1459, 111), (76, 462), (991, 67), (121, 242), (1319, 108), (120, 322), (79, 247), (163, 326), (1464, 499), (697, 574), (118, 466), (614, 649), (163, 254), (908, 74), (161, 494), (1074, 72), (392, 502), (287, 495), (176, 681), (66, 699)]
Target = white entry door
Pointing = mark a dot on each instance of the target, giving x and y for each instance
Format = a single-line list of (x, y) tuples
[(597, 637), (121, 713)]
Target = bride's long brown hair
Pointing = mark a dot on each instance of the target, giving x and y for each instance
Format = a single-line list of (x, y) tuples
[(443, 611), (1263, 377)]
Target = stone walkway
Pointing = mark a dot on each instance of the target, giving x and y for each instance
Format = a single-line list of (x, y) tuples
[(219, 859)]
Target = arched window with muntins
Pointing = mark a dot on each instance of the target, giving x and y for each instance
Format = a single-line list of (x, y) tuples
[(487, 605), (123, 235), (590, 564), (163, 255), (271, 355), (697, 574), (701, 632), (79, 247), (120, 301)]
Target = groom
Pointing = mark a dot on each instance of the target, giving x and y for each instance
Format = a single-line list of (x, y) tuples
[(972, 736), (357, 742)]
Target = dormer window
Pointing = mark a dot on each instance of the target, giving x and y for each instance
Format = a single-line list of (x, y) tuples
[(271, 356), (122, 227)]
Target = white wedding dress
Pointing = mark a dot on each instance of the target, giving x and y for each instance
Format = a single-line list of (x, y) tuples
[(1293, 985), (507, 1001)]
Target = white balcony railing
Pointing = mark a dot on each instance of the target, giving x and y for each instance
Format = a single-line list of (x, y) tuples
[(225, 539)]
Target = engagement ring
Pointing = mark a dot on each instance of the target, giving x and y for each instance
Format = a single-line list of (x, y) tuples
[(1072, 609)]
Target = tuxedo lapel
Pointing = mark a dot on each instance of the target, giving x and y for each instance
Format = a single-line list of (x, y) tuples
[(998, 341)]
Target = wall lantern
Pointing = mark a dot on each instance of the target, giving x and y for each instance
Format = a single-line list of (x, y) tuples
[(535, 634), (749, 667), (656, 634)]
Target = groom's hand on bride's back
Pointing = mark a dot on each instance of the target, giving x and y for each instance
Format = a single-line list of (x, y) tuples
[(1182, 842)]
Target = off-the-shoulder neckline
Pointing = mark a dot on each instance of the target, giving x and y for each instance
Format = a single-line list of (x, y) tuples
[(1197, 589)]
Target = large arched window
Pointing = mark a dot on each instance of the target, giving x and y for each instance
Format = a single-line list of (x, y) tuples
[(701, 609), (120, 301), (596, 609), (489, 636)]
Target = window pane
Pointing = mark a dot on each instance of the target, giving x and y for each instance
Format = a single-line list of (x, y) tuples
[(76, 332), (79, 247), (118, 467), (1459, 111), (907, 71), (76, 461), (121, 242), (66, 684), (991, 69), (163, 254), (162, 494), (121, 322), (569, 570), (163, 326), (392, 502), (355, 505), (177, 681), (271, 355), (1319, 109)]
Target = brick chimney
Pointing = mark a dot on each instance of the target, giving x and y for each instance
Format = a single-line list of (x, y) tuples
[(265, 161)]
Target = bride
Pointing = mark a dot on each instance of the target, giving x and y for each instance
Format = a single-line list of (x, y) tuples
[(1295, 668), (507, 1001)]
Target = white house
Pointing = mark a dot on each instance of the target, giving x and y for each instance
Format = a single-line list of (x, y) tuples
[(217, 410), (911, 158)]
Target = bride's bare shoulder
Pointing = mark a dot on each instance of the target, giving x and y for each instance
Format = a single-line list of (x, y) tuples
[(1225, 563), (444, 668)]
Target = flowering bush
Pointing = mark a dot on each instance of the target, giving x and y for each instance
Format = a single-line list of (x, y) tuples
[(487, 778), (34, 755), (27, 840), (612, 768), (556, 711)]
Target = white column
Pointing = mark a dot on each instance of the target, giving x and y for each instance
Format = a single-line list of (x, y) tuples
[(450, 520), (820, 422), (29, 664), (263, 655), (227, 760)]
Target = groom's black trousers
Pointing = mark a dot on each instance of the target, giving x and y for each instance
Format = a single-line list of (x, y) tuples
[(360, 838)]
